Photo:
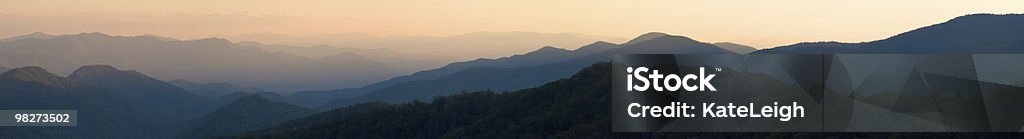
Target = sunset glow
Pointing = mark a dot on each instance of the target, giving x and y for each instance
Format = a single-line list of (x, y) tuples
[(760, 24)]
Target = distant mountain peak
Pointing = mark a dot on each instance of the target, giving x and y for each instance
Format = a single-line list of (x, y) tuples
[(646, 37), (212, 90), (548, 50), (34, 35), (654, 34), (94, 71), (602, 43), (663, 41), (27, 71), (93, 34), (39, 35), (36, 74), (246, 113), (213, 42), (89, 36), (98, 67), (130, 83)]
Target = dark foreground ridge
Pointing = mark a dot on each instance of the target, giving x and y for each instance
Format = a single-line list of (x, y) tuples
[(568, 108)]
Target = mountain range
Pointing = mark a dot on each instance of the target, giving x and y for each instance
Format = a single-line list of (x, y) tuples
[(143, 90), (34, 35), (212, 90), (969, 34), (115, 103), (461, 47), (566, 108), (206, 60), (437, 81), (537, 94), (399, 60), (483, 113), (516, 72), (111, 110)]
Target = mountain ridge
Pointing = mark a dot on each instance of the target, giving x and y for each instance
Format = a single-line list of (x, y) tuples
[(212, 90), (143, 89), (112, 111), (200, 60), (37, 75), (968, 34), (519, 111), (34, 35), (469, 44), (646, 37), (475, 75)]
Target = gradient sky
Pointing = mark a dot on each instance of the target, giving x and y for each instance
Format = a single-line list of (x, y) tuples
[(756, 23)]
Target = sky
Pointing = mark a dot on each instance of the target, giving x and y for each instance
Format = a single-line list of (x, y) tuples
[(757, 23)]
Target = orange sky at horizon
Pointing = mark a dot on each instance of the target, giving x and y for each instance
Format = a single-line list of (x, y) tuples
[(761, 24)]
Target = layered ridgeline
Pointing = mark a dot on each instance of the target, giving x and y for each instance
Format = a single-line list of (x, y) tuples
[(398, 60), (212, 90), (205, 60), (244, 114), (567, 108), (114, 103), (35, 35), (575, 108), (504, 74), (461, 47), (163, 98), (111, 111), (545, 55), (970, 34), (224, 100)]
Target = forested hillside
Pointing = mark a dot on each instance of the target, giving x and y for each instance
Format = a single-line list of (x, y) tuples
[(573, 108)]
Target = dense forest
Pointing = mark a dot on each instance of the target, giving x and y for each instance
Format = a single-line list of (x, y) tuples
[(575, 107)]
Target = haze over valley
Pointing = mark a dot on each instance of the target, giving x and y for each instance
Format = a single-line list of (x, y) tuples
[(446, 69), (219, 87)]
